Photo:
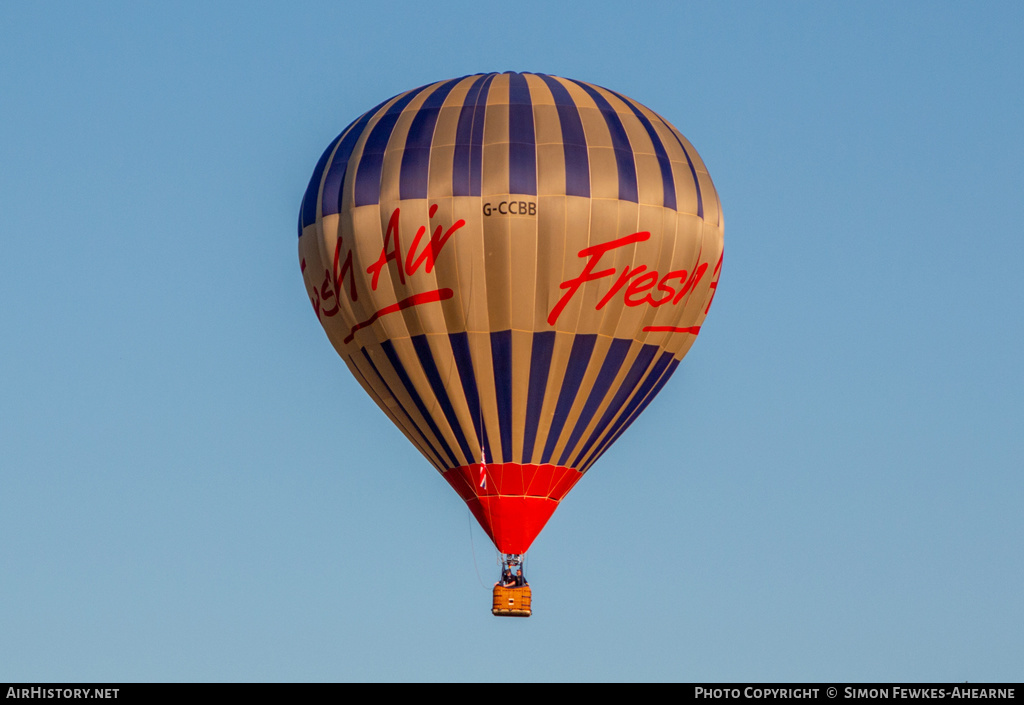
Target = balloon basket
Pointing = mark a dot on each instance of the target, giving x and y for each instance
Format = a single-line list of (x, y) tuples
[(512, 601)]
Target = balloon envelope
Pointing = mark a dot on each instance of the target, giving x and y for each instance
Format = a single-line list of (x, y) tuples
[(512, 266)]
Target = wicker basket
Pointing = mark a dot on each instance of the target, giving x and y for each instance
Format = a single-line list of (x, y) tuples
[(512, 601)]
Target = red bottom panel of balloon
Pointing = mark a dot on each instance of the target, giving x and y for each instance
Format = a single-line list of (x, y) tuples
[(512, 501)]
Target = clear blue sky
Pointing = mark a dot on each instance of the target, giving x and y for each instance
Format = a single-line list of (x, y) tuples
[(192, 486)]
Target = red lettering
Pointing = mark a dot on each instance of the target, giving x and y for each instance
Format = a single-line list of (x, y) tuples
[(415, 258), (394, 254), (693, 330), (414, 300), (413, 261), (437, 241), (637, 286), (327, 292), (691, 284), (626, 275), (668, 291), (714, 284), (346, 269), (315, 300), (594, 253)]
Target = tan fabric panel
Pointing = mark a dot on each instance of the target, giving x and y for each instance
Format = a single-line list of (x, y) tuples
[(594, 126), (540, 94), (441, 350), (447, 272), (498, 96), (604, 227), (521, 345), (604, 174), (647, 255), (611, 289), (368, 235), (475, 287), (550, 169), (511, 264), (523, 272), (495, 170), (559, 362), (401, 399), (550, 252), (663, 314), (369, 380), (712, 206), (447, 122), (407, 355), (577, 236), (596, 360), (480, 349), (574, 459), (498, 272), (496, 122), (441, 161)]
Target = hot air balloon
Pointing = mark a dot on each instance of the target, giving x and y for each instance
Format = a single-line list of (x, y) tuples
[(512, 265)]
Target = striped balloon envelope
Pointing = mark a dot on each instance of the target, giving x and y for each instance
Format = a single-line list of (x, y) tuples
[(512, 265)]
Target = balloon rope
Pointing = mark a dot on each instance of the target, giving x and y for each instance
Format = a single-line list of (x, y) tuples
[(483, 452), (480, 407), (472, 548)]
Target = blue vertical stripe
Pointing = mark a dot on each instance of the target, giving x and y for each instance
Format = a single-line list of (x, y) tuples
[(426, 356), (476, 162), (540, 365), (693, 170), (396, 364), (372, 161), (501, 355), (468, 157), (307, 213), (335, 181), (522, 147), (412, 422), (620, 142), (656, 379), (579, 358), (664, 163), (416, 157), (464, 363), (629, 383), (574, 140), (605, 376), (468, 153)]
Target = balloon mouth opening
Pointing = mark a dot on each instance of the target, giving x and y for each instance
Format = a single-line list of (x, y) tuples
[(512, 501)]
